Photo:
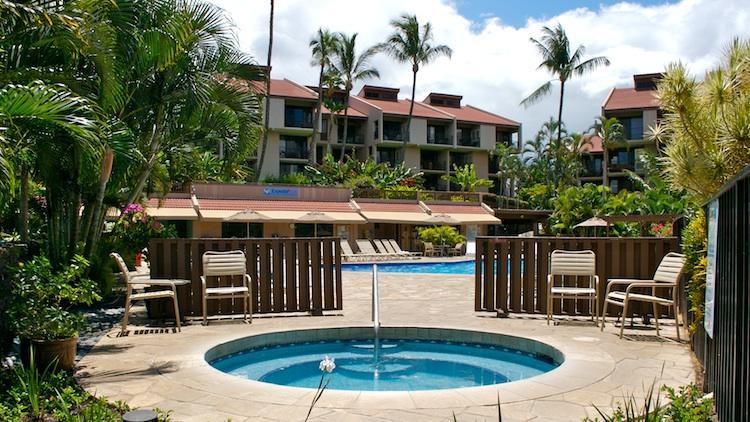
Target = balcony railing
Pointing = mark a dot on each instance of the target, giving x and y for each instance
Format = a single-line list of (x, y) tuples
[(298, 117), (352, 139), (440, 139), (469, 141), (299, 153), (394, 135), (433, 165)]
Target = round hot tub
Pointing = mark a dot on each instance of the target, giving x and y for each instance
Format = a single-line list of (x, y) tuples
[(401, 359)]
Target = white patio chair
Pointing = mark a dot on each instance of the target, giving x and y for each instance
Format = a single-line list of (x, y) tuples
[(221, 264), (573, 264), (136, 281), (667, 276)]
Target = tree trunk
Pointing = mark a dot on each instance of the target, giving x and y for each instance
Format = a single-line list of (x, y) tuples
[(346, 127), (559, 113), (23, 215), (264, 144), (605, 167), (313, 150), (93, 228), (414, 70)]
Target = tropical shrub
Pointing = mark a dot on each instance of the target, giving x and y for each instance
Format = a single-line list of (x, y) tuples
[(355, 174), (288, 179), (441, 235), (466, 178), (694, 246), (42, 298), (574, 205), (685, 404)]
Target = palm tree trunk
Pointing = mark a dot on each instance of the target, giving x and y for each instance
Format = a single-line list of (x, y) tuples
[(92, 228), (407, 138), (264, 144), (559, 112), (313, 150), (346, 127), (23, 215), (605, 167)]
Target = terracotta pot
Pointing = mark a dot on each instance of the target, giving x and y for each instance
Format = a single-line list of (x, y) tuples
[(59, 354), (138, 257)]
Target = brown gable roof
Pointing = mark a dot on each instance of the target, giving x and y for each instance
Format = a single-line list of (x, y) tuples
[(630, 99), (286, 88), (473, 114), (401, 107)]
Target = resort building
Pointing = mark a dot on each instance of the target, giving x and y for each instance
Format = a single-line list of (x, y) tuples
[(637, 109), (443, 131), (252, 210)]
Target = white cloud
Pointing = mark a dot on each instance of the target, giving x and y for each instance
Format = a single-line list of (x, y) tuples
[(494, 65)]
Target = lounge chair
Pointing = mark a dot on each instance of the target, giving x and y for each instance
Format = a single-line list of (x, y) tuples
[(226, 264), (576, 264), (346, 251), (366, 248), (457, 250), (386, 249), (398, 249), (135, 282), (667, 277)]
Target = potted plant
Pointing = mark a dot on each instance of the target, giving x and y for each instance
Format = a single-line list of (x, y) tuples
[(41, 312)]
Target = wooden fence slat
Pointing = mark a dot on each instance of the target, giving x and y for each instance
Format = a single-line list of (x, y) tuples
[(515, 275), (489, 285), (315, 264), (265, 276), (480, 279), (339, 285), (502, 271), (304, 276), (328, 300), (290, 275), (277, 249), (541, 275), (529, 267)]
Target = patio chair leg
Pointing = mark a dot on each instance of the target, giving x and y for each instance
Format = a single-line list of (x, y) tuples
[(176, 314), (205, 317), (604, 314), (677, 324), (656, 316), (125, 317), (549, 307), (624, 312), (244, 307)]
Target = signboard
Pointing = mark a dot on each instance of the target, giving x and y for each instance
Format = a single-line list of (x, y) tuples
[(281, 192), (713, 229)]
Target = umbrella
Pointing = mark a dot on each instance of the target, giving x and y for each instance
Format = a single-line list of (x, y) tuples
[(315, 216), (442, 219), (593, 222), (248, 216)]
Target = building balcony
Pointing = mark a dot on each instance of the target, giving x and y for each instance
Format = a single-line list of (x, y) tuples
[(433, 165), (293, 153), (440, 139), (352, 139), (394, 135), (469, 141)]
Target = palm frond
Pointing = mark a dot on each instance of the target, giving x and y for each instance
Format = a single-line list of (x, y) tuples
[(537, 95)]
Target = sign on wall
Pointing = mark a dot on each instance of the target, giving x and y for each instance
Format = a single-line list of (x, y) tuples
[(281, 192), (713, 229)]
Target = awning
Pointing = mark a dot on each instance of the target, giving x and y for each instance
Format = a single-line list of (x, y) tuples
[(396, 217), (170, 213), (476, 218), (288, 217)]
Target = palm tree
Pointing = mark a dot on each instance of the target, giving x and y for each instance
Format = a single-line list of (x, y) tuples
[(554, 47), (352, 68), (266, 109), (509, 166), (323, 48), (411, 43), (612, 133)]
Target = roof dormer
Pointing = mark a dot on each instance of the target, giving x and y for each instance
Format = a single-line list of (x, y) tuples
[(646, 81), (372, 92), (443, 100)]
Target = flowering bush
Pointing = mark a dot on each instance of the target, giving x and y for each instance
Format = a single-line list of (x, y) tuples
[(134, 228)]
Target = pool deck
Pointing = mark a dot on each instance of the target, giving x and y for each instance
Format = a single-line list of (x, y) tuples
[(153, 367)]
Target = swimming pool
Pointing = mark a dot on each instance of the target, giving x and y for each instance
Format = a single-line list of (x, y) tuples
[(452, 267), (429, 359)]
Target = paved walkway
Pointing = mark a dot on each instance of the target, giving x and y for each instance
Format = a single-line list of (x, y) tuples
[(160, 368)]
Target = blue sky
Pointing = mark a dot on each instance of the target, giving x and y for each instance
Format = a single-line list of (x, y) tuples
[(517, 12)]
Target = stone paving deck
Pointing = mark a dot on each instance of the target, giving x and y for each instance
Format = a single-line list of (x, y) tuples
[(167, 370)]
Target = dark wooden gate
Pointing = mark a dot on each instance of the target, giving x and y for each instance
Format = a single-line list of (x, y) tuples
[(288, 275)]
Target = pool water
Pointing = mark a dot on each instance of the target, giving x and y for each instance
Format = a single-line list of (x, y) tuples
[(452, 267), (397, 365)]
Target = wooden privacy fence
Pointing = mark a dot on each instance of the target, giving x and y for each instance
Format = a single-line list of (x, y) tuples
[(288, 275), (511, 272)]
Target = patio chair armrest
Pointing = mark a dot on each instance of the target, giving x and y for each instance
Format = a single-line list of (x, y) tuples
[(154, 282), (203, 281), (648, 284), (248, 281)]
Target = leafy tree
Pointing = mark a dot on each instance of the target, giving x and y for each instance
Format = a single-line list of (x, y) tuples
[(367, 174), (466, 178), (557, 58), (441, 235), (412, 43), (323, 48), (509, 168), (353, 68)]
